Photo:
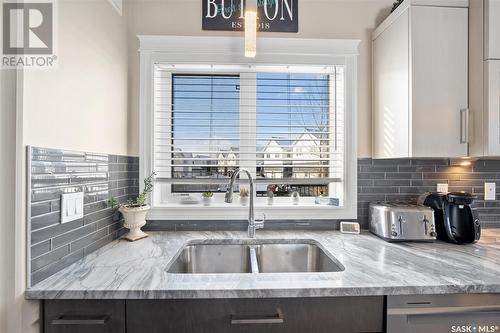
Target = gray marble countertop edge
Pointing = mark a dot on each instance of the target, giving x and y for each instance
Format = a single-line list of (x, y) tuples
[(261, 293), (373, 268)]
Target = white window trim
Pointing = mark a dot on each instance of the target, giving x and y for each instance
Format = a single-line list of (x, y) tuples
[(229, 50)]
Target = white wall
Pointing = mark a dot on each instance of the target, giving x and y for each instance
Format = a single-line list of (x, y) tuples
[(353, 19), (7, 188), (85, 98), (16, 314), (81, 105), (7, 167)]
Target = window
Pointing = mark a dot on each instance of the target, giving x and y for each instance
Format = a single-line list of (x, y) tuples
[(285, 127), (204, 141), (203, 115), (299, 117)]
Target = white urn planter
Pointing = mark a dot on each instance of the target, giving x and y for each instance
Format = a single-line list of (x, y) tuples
[(135, 219), (244, 201), (207, 201)]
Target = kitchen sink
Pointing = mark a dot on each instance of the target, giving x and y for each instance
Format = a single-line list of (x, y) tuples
[(294, 258), (212, 258), (253, 256)]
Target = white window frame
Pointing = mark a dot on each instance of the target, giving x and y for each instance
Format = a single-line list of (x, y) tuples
[(270, 51)]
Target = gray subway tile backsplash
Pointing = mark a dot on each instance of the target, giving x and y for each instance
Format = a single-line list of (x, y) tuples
[(103, 176), (417, 176), (55, 267), (40, 248), (53, 231), (49, 257), (387, 180), (54, 246)]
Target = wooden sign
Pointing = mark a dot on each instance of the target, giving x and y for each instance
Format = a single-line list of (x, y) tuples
[(229, 15)]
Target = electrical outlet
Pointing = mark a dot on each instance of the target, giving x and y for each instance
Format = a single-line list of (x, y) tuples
[(490, 191), (442, 188), (71, 207)]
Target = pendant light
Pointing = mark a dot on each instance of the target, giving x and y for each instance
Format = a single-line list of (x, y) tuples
[(251, 29)]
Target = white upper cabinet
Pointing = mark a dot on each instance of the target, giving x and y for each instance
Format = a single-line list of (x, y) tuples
[(484, 77), (491, 128), (491, 29), (420, 81)]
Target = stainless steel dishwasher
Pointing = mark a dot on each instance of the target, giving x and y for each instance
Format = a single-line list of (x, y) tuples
[(443, 313)]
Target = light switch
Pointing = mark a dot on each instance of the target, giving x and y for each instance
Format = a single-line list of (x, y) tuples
[(71, 207), (79, 206), (490, 191)]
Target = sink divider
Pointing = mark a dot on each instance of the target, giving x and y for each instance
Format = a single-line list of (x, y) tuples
[(253, 260)]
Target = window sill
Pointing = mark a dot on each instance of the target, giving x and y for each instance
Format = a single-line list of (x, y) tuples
[(231, 212)]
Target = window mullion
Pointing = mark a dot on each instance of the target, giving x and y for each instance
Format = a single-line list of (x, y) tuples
[(248, 116)]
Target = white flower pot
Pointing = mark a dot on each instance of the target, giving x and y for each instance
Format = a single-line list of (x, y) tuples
[(135, 219), (207, 201), (244, 201), (270, 201)]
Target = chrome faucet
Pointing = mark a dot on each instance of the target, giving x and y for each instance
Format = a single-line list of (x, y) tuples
[(252, 223)]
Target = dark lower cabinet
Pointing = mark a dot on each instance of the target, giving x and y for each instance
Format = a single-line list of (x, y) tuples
[(84, 316), (290, 315)]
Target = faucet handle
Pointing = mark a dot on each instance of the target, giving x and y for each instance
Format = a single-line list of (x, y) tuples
[(259, 223)]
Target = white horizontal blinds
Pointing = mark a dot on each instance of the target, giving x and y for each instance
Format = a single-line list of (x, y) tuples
[(162, 106), (285, 126), (205, 130), (296, 126), (337, 140)]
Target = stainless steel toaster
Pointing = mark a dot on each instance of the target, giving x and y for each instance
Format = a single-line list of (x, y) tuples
[(402, 222)]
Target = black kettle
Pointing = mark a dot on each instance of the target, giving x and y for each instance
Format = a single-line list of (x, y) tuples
[(456, 221)]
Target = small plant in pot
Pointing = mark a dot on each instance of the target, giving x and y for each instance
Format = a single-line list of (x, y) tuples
[(270, 197), (134, 211), (207, 198), (244, 194), (270, 194)]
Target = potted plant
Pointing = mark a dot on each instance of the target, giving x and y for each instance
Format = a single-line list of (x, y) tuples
[(134, 211), (244, 194), (270, 197), (295, 198), (207, 198)]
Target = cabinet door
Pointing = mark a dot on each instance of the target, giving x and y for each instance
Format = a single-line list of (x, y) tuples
[(391, 90), (439, 48), (443, 313), (492, 29), (492, 119), (290, 315), (84, 316)]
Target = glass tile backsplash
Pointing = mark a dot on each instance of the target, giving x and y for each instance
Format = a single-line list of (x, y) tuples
[(54, 246)]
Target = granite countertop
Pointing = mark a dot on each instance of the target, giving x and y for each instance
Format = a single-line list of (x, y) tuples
[(124, 270)]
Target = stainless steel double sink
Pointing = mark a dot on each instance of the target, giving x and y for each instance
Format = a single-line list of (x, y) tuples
[(253, 256)]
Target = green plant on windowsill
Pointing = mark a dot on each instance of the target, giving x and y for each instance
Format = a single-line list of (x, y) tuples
[(207, 198)]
